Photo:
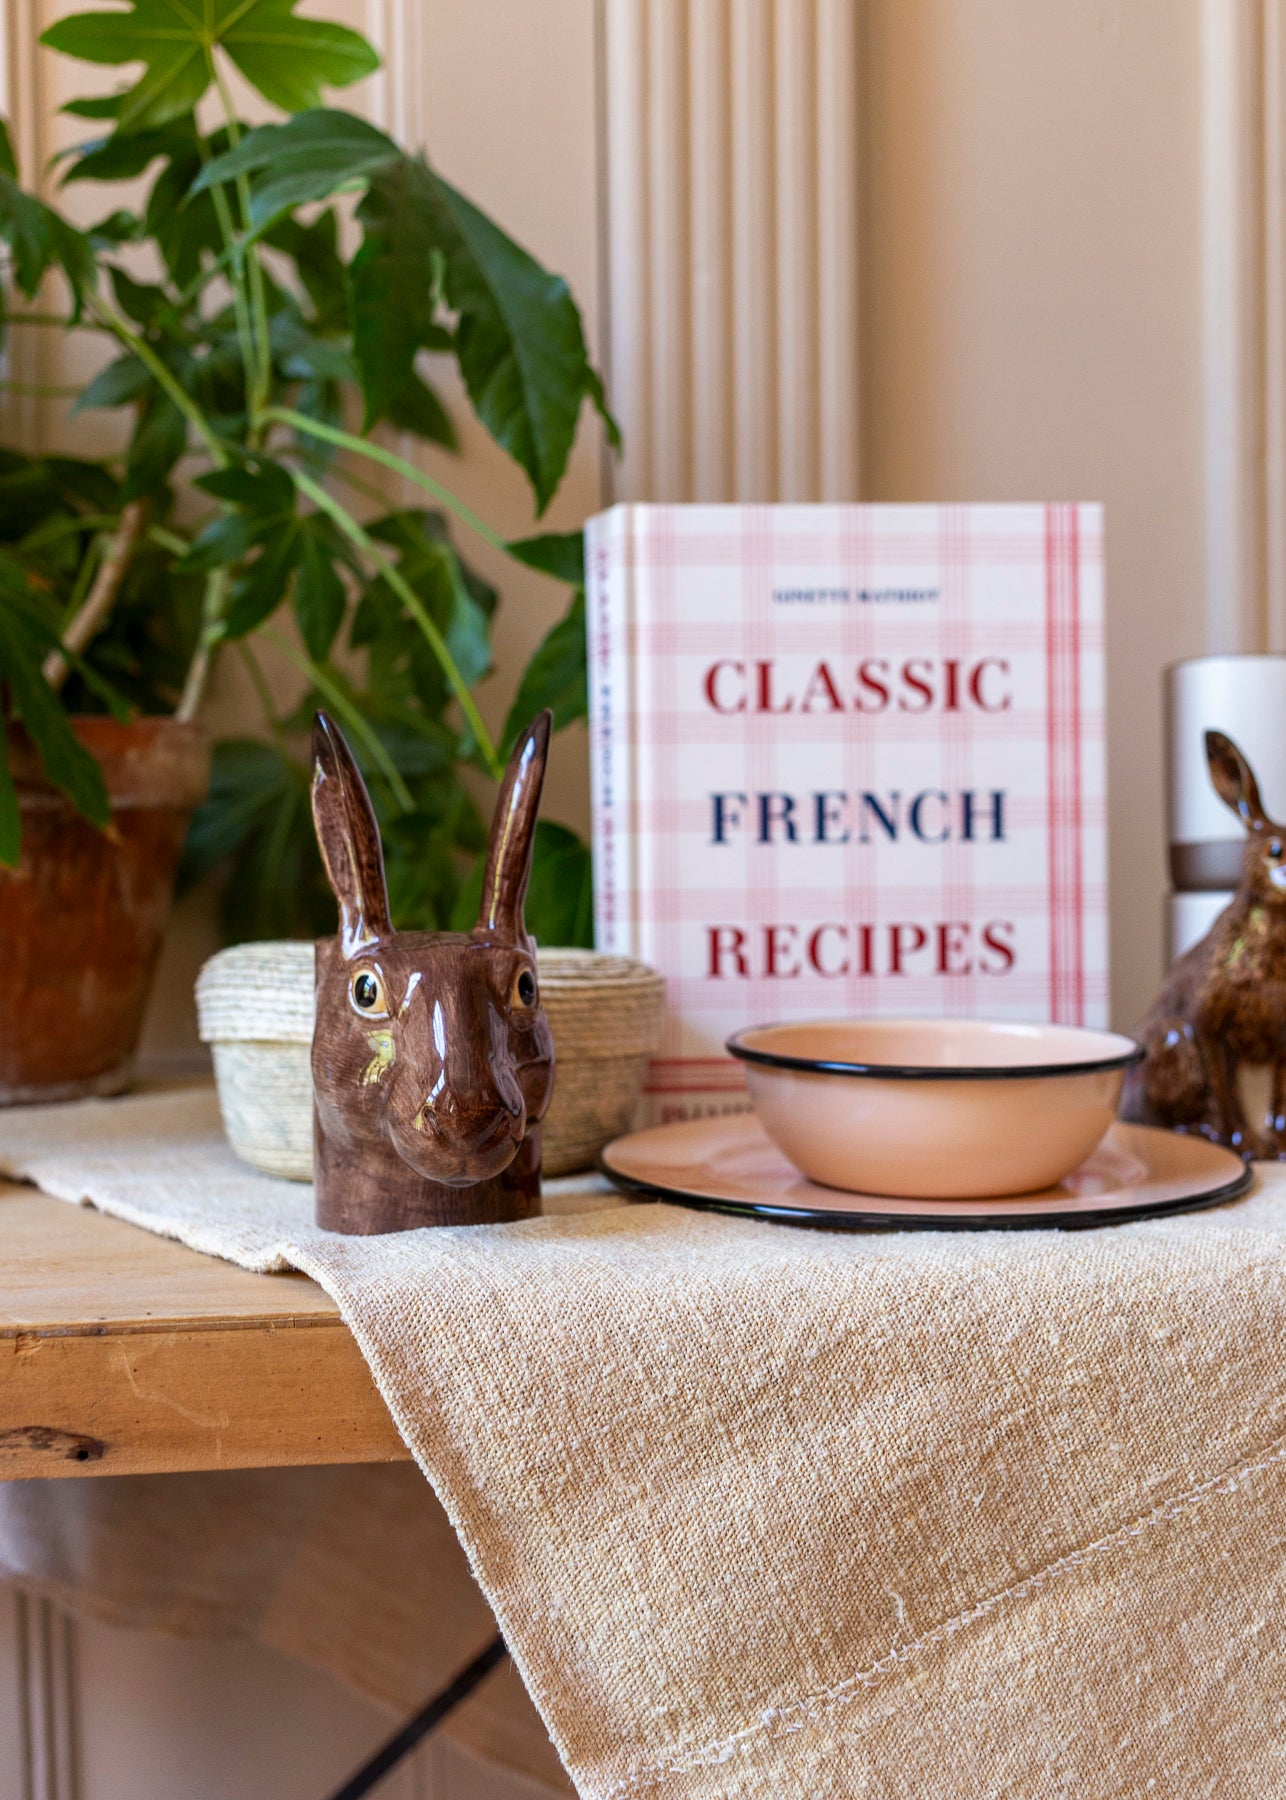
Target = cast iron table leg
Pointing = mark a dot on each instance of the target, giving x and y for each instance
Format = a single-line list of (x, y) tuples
[(404, 1741)]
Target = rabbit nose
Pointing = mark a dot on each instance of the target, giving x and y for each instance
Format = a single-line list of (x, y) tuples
[(457, 1112)]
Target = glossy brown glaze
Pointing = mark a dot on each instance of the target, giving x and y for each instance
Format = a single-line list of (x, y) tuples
[(82, 916), (1223, 1005), (433, 1061)]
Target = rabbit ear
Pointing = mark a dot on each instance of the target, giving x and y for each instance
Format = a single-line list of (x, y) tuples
[(349, 839), (1234, 779), (513, 829)]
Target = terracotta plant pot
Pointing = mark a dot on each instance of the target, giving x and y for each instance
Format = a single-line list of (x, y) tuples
[(82, 916)]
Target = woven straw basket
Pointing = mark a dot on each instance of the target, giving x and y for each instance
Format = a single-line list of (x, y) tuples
[(255, 1010)]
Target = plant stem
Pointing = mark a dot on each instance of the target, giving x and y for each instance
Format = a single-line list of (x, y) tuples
[(351, 715), (261, 374), (90, 556), (167, 540), (113, 322), (212, 604), (345, 440), (90, 616), (235, 254), (414, 605)]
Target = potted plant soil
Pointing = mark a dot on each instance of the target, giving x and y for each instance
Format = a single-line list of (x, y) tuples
[(256, 348)]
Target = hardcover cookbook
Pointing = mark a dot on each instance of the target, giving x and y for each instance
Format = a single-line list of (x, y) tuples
[(847, 760)]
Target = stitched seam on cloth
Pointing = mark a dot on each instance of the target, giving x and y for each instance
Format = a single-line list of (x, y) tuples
[(797, 1715)]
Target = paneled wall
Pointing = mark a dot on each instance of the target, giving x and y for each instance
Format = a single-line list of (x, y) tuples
[(731, 140), (892, 249)]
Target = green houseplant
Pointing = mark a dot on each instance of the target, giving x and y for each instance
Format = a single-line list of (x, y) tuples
[(278, 294)]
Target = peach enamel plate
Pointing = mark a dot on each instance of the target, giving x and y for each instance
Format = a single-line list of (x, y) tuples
[(728, 1165)]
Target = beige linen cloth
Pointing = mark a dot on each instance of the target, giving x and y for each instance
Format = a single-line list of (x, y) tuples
[(773, 1512)]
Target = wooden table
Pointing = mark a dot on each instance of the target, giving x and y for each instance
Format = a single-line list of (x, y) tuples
[(124, 1354)]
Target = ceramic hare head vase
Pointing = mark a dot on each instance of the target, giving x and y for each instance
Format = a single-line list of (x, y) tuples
[(433, 1062), (1223, 1005)]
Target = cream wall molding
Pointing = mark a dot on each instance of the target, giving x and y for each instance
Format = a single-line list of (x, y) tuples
[(49, 1761), (26, 103), (1244, 313), (730, 246)]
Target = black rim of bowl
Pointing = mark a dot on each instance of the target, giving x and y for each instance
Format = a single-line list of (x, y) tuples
[(774, 1059)]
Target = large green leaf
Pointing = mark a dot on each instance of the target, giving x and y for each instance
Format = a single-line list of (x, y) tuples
[(261, 588), (119, 384), (459, 603), (468, 632), (95, 106), (519, 340), (259, 484), (555, 677), (146, 645), (319, 595), (560, 897), (393, 299), (559, 909), (184, 226), (416, 408), (314, 250), (288, 59), (41, 239), (119, 227), (301, 356), (557, 553), (151, 32), (307, 158), (144, 302), (256, 827), (227, 539), (420, 863), (159, 440), (23, 646), (125, 154), (291, 60)]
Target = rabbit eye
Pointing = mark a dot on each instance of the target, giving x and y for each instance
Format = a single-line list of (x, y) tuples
[(524, 993), (1275, 850), (368, 992)]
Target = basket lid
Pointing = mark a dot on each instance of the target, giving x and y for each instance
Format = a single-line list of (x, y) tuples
[(593, 971), (265, 992), (258, 993)]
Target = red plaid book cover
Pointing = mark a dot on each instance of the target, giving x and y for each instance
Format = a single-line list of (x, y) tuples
[(847, 760)]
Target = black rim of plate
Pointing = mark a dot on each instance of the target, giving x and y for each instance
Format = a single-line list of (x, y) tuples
[(872, 1218), (774, 1059)]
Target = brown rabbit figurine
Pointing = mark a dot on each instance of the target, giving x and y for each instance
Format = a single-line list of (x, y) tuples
[(1224, 1003), (433, 1061)]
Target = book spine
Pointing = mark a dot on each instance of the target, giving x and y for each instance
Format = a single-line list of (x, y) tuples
[(608, 575)]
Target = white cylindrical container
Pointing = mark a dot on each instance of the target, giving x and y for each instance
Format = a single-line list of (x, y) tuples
[(1244, 697), (1188, 919)]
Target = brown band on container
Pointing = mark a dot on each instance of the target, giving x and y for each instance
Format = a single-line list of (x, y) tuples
[(1213, 867)]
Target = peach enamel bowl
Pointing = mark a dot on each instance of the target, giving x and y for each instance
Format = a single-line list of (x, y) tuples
[(948, 1109)]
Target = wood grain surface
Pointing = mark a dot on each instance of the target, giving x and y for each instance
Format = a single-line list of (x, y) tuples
[(124, 1353)]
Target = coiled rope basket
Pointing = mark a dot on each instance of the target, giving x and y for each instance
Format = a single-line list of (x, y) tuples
[(255, 1011)]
